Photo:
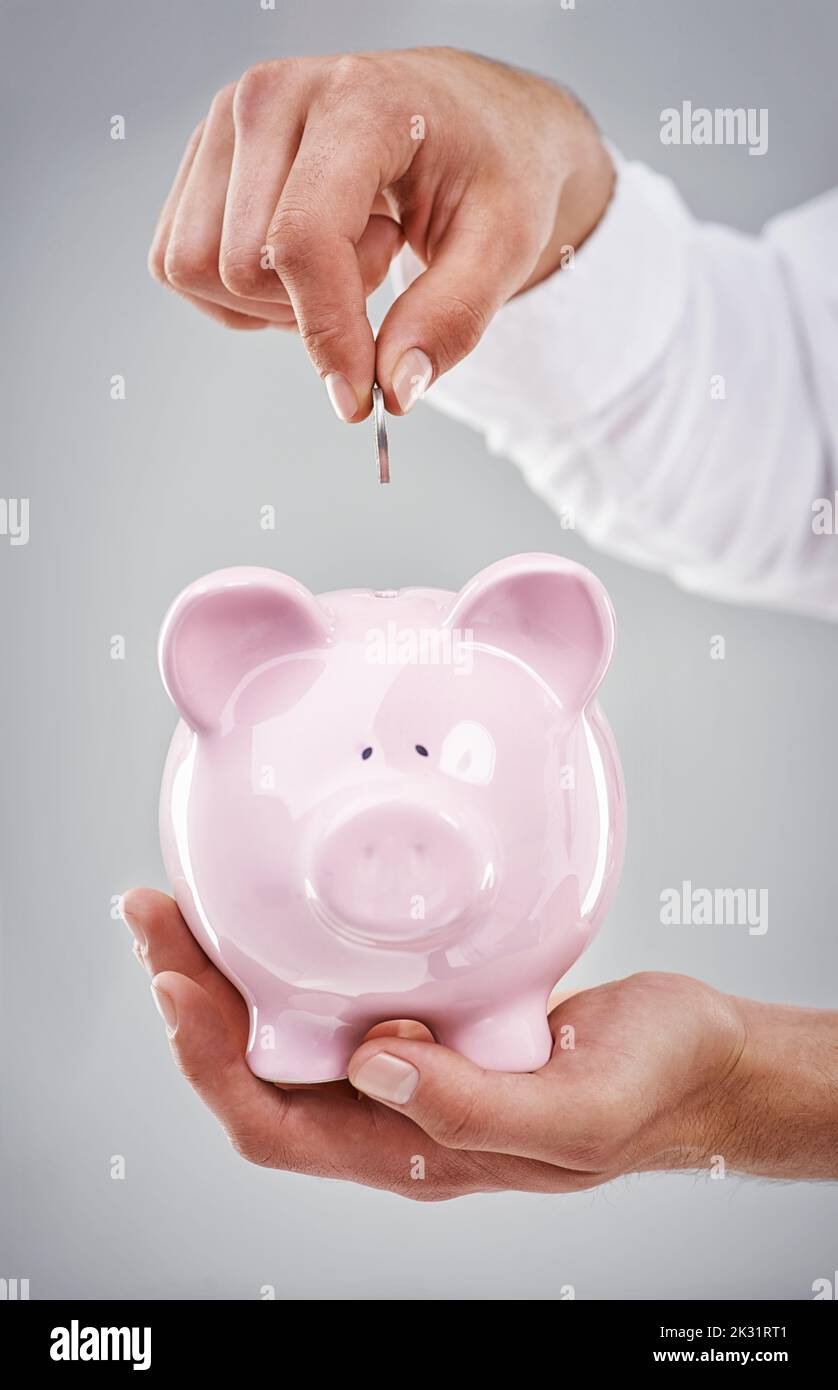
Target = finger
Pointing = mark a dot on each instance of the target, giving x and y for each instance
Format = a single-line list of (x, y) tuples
[(210, 1057), (319, 220), (455, 1102), (229, 318), (163, 230), (269, 114), (397, 1028), (323, 1132), (444, 313), (540, 1116), (400, 1028), (164, 942), (315, 1132), (377, 249), (267, 118), (190, 260), (380, 243)]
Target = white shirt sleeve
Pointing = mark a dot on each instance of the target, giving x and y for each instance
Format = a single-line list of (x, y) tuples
[(674, 394)]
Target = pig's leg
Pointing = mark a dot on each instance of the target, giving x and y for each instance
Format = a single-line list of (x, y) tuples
[(514, 1038), (296, 1045)]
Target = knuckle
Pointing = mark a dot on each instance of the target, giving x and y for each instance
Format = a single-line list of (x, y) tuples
[(255, 88), (290, 237), (241, 272), (348, 72), (189, 266)]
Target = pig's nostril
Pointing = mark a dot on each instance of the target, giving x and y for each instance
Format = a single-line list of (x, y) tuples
[(421, 750), (418, 860), (367, 753)]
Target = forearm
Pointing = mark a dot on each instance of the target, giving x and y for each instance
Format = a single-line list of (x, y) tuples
[(777, 1112)]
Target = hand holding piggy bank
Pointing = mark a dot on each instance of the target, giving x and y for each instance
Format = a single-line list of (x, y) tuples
[(392, 805)]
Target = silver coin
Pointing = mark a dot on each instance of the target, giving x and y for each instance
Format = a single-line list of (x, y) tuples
[(382, 452)]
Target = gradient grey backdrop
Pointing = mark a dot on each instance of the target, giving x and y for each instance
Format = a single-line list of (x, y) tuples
[(729, 765)]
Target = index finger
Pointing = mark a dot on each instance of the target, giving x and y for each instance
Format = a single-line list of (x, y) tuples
[(314, 234)]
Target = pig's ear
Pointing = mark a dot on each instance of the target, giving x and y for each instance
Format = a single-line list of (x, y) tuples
[(548, 612), (227, 625)]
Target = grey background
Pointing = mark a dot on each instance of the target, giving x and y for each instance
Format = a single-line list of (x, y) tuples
[(728, 764)]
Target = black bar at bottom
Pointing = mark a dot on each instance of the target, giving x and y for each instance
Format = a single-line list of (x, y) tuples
[(147, 1337)]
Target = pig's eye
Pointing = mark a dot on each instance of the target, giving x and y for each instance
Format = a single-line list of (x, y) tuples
[(367, 753), (421, 750)]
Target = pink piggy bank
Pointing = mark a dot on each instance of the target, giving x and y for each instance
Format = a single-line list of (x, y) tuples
[(392, 805)]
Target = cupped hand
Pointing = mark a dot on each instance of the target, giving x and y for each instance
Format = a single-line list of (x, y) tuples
[(639, 1079), (305, 177)]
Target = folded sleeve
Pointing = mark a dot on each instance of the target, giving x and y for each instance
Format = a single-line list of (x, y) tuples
[(672, 392)]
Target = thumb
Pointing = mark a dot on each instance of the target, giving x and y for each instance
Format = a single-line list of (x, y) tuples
[(444, 313), (456, 1103)]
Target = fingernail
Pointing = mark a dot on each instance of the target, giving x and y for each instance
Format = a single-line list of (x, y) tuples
[(385, 1077), (342, 395), (411, 377), (132, 925), (165, 1007)]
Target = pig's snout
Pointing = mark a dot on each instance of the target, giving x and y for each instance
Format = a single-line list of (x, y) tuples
[(398, 871)]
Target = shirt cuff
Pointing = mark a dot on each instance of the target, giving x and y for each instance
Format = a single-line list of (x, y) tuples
[(573, 344)]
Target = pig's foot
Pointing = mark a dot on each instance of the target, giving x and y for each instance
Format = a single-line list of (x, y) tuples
[(515, 1039), (301, 1047)]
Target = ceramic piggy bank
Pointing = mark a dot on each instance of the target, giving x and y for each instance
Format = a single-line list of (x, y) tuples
[(392, 805)]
